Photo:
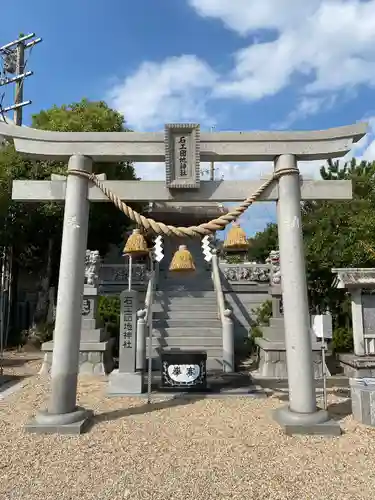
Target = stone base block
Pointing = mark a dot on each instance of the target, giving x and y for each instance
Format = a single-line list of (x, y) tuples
[(357, 366), (317, 423), (93, 335), (363, 400), (272, 360), (253, 392), (125, 384), (4, 379), (73, 423), (95, 358)]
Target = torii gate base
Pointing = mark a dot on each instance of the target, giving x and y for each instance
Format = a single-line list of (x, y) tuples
[(302, 414)]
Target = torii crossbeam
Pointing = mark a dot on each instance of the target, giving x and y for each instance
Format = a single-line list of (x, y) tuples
[(182, 147), (215, 191)]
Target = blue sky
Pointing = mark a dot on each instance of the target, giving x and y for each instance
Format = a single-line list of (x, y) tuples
[(232, 64)]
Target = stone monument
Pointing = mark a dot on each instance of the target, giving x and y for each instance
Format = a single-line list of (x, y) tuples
[(95, 348), (360, 283), (272, 346), (360, 365)]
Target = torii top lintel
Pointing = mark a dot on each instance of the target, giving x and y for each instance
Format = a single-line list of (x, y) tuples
[(213, 146)]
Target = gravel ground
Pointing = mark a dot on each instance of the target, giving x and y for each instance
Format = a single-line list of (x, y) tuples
[(222, 449)]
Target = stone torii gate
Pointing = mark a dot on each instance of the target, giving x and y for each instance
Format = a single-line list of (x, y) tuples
[(183, 183)]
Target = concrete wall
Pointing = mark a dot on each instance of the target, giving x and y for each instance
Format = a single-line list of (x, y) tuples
[(170, 245), (243, 299), (200, 280)]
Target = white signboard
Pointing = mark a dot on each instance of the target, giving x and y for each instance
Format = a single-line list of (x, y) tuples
[(321, 325)]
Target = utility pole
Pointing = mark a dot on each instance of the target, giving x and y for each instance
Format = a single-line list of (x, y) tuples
[(14, 63), (18, 95), (12, 56), (212, 166)]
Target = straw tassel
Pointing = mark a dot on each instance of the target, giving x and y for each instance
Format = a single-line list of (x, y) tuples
[(136, 244), (236, 240), (182, 260)]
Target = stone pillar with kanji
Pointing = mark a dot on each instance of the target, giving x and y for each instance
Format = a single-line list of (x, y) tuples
[(127, 379)]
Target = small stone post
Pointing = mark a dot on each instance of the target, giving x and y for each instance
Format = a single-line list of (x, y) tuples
[(301, 416), (228, 342), (357, 321), (62, 414), (141, 341)]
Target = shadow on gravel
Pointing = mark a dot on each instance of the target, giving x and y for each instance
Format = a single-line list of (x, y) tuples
[(8, 381), (142, 410), (340, 410), (10, 362), (282, 395)]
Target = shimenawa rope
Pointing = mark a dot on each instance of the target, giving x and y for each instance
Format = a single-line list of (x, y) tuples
[(204, 229)]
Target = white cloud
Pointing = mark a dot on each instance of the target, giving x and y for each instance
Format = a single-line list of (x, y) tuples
[(242, 170), (307, 106), (229, 170), (152, 171), (330, 42), (365, 148), (245, 16), (174, 90)]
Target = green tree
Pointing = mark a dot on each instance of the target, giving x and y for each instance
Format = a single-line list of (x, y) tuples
[(262, 243), (83, 116), (336, 234), (34, 230)]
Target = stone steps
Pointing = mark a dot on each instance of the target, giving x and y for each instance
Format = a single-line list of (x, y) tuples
[(201, 323), (189, 303), (180, 288), (187, 332), (185, 318), (183, 306), (185, 314), (183, 342), (199, 283), (175, 295), (212, 351)]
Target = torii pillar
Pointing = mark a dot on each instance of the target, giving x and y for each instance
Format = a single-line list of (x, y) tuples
[(182, 147), (301, 416)]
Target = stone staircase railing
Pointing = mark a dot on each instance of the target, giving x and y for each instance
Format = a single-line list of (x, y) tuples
[(145, 323), (113, 276), (246, 272), (225, 317)]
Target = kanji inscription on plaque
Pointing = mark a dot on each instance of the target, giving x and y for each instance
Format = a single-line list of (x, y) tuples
[(182, 156)]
